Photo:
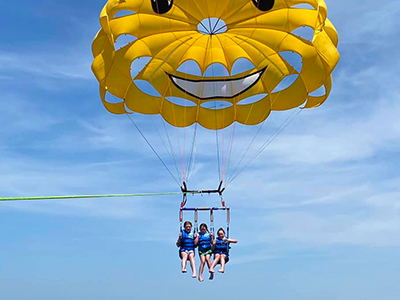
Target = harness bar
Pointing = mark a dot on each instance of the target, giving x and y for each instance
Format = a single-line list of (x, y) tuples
[(205, 208), (219, 191)]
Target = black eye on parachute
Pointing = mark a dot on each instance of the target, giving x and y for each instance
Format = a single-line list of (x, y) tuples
[(161, 6), (264, 5)]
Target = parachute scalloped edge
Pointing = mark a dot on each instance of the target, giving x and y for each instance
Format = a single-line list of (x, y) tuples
[(171, 37)]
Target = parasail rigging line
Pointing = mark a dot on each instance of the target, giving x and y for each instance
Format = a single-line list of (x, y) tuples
[(192, 154), (152, 148), (233, 176), (279, 130), (230, 148), (267, 143), (170, 151), (86, 196), (247, 149)]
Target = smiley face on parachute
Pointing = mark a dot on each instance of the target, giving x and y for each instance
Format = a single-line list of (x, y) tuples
[(172, 32)]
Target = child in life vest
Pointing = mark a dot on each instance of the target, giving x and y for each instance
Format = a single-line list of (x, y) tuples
[(221, 250), (186, 241), (205, 244)]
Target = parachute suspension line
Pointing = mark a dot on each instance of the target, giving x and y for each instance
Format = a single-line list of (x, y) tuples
[(179, 145), (179, 175), (178, 142), (223, 149), (262, 124), (233, 176), (170, 145), (217, 142), (223, 119), (225, 154), (169, 150), (215, 114), (247, 149), (283, 126), (151, 76), (230, 147), (177, 133), (152, 148), (147, 141), (192, 153), (267, 143), (215, 103), (186, 175)]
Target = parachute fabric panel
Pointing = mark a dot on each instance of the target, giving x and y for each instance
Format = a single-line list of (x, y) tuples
[(173, 37)]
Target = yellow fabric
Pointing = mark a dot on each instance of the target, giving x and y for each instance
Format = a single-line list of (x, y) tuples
[(172, 38)]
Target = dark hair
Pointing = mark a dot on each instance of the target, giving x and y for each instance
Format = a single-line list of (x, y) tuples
[(204, 225), (187, 223), (221, 229)]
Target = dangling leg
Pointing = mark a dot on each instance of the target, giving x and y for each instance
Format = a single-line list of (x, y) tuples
[(202, 263), (215, 262), (208, 260), (184, 256), (192, 264), (223, 257)]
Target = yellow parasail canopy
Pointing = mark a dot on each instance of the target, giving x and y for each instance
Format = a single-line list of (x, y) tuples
[(172, 32)]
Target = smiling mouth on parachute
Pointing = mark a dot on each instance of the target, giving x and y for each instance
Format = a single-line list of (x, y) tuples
[(218, 88)]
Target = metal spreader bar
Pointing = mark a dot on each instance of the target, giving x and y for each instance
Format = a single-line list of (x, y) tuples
[(204, 208), (219, 191)]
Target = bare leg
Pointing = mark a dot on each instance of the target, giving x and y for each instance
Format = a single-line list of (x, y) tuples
[(215, 262), (222, 270), (208, 260), (184, 261), (192, 265), (202, 263)]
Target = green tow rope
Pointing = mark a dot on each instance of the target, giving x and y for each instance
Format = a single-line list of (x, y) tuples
[(87, 196)]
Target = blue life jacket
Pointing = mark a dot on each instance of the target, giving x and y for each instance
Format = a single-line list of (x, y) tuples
[(204, 241), (221, 246), (187, 241)]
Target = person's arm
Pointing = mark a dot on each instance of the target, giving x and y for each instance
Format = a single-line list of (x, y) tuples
[(233, 241), (196, 239), (178, 242)]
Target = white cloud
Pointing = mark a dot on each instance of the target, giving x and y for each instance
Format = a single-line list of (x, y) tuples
[(66, 65), (349, 228)]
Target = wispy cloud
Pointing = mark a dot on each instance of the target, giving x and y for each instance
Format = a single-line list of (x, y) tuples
[(65, 65)]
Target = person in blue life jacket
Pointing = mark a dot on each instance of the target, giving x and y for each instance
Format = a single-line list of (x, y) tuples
[(186, 242), (205, 250), (221, 250)]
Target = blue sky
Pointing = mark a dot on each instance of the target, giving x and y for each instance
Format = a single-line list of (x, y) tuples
[(316, 215)]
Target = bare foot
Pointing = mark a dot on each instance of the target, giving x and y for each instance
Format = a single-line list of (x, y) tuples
[(221, 271), (212, 271), (211, 276), (201, 279), (194, 275), (184, 271)]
